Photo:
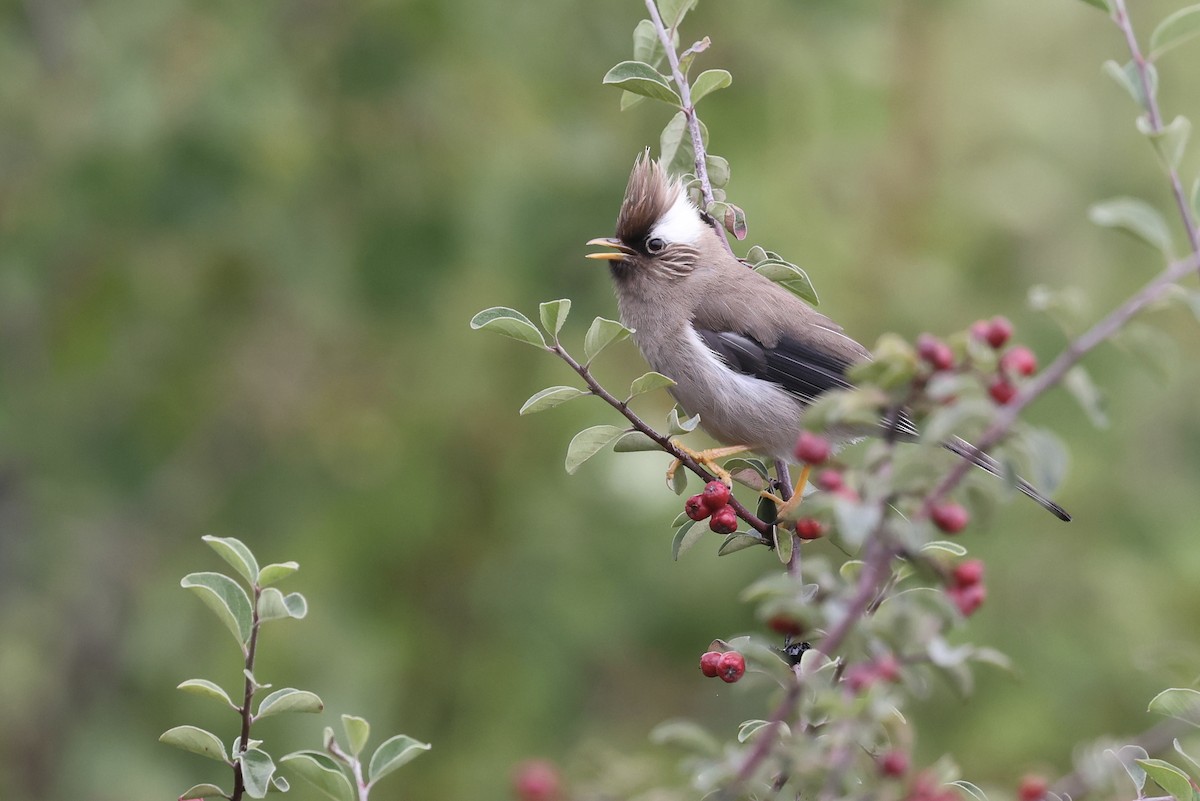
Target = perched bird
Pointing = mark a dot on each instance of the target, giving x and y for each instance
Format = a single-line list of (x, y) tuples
[(747, 355)]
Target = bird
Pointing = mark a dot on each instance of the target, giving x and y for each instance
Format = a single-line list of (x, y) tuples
[(746, 354)]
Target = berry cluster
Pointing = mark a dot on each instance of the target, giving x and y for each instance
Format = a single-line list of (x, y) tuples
[(1017, 361), (713, 503), (728, 666), (966, 588)]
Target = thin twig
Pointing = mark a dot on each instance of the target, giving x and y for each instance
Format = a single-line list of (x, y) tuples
[(1054, 373), (763, 528), (251, 686), (362, 789), (699, 157), (1120, 16)]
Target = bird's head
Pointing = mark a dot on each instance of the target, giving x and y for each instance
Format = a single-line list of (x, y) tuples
[(660, 233)]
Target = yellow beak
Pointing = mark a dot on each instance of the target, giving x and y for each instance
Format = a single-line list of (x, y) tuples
[(622, 249)]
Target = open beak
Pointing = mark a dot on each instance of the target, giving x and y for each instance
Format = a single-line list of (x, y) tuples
[(622, 250)]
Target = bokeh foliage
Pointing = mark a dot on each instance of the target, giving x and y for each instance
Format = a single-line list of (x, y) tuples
[(239, 243)]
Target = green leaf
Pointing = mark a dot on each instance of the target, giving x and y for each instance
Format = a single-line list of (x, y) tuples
[(1179, 703), (279, 783), (737, 542), (1129, 78), (358, 731), (1168, 777), (550, 397), (750, 728), (206, 688), (708, 82), (790, 277), (602, 333), (393, 753), (750, 473), (648, 382), (970, 789), (685, 537), (678, 481), (274, 605), (952, 548), (647, 46), (1170, 142), (783, 542), (1173, 31), (686, 735), (731, 216), (678, 425), (236, 554), (257, 770), (1136, 217), (689, 55), (196, 740), (288, 699), (718, 170), (629, 100), (635, 442), (1179, 750), (671, 138), (1129, 756), (203, 791), (1089, 396), (321, 772), (276, 572), (588, 443), (642, 79), (226, 598), (510, 323), (554, 314), (673, 11)]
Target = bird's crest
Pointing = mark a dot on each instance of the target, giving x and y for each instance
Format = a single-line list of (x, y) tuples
[(649, 195)]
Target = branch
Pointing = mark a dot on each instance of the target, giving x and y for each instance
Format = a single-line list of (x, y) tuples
[(239, 784), (763, 528), (1054, 373), (1121, 17), (699, 157)]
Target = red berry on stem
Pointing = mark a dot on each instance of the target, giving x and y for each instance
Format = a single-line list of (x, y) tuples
[(968, 573), (710, 663), (812, 448), (809, 528), (716, 494), (696, 508), (536, 780), (968, 599), (830, 480), (1002, 390), (732, 667), (1032, 788), (935, 351), (950, 517), (1019, 361), (724, 520), (999, 331), (893, 764)]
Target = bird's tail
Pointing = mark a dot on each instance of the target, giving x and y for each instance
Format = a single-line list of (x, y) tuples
[(966, 450)]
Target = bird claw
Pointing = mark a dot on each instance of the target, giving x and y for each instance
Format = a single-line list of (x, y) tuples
[(706, 459)]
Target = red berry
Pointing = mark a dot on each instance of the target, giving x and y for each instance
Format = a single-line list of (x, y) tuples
[(716, 494), (536, 780), (811, 448), (782, 624), (1032, 788), (724, 520), (731, 667), (999, 331), (809, 528), (935, 351), (1019, 360), (1001, 390), (979, 329), (887, 668), (710, 663), (968, 573), (830, 480), (860, 677), (968, 599), (950, 517), (893, 764), (696, 508)]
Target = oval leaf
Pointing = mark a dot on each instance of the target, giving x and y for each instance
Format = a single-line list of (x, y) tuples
[(602, 333), (737, 542), (226, 598), (687, 735), (718, 170), (588, 443), (1136, 217), (642, 79), (203, 791), (635, 442), (673, 11), (1168, 777), (1176, 29), (510, 323), (321, 772), (550, 397), (288, 699), (685, 537), (708, 82), (1179, 703), (648, 383), (358, 731), (274, 605), (196, 740), (790, 277), (206, 688), (952, 548), (276, 572), (392, 753), (554, 314), (257, 770), (1170, 141), (671, 138), (751, 727), (236, 554)]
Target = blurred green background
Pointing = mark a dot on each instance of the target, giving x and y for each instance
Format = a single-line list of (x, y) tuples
[(239, 246)]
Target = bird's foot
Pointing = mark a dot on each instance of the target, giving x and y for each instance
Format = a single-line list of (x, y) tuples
[(706, 459), (787, 509)]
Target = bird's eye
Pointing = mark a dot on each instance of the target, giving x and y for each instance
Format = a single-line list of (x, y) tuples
[(654, 244)]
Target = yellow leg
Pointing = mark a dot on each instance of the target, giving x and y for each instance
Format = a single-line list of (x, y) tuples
[(707, 459), (787, 509)]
